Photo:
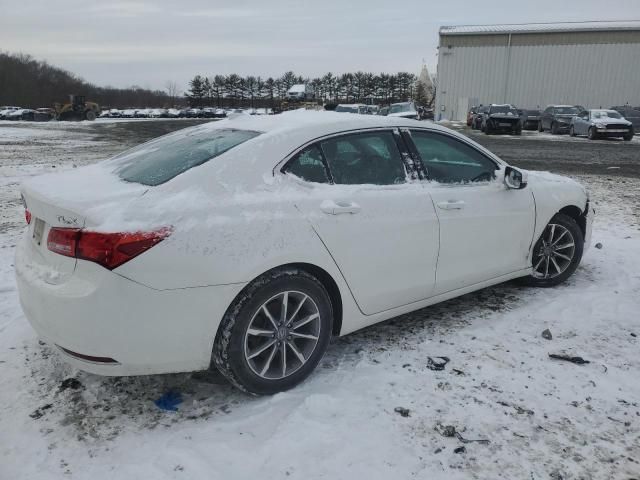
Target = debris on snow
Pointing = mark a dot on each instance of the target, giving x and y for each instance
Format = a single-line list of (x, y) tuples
[(404, 412), (437, 363), (569, 358), (451, 431), (598, 245), (70, 383), (169, 401), (39, 412), (546, 334), (461, 449), (519, 410)]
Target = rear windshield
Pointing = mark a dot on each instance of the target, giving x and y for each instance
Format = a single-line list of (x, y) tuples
[(161, 160)]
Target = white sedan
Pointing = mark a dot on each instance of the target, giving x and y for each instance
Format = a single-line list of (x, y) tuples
[(245, 244)]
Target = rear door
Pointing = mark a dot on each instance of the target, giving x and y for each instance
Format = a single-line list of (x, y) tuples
[(379, 226), (486, 229)]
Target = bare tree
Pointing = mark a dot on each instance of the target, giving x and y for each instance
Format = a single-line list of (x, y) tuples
[(172, 91)]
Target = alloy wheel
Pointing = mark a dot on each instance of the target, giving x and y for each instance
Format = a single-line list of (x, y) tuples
[(282, 335), (554, 252)]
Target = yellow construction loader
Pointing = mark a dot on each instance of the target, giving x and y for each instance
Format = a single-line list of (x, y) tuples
[(77, 109)]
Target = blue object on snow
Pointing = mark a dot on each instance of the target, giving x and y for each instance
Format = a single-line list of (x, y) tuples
[(169, 401)]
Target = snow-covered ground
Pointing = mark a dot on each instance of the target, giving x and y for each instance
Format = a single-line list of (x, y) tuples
[(542, 418)]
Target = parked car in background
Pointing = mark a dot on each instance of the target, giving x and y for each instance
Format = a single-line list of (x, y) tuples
[(20, 114), (129, 113), (384, 111), (557, 118), (476, 118), (470, 114), (157, 283), (597, 123), (351, 108), (44, 114), (194, 112), (631, 114), (5, 110), (503, 118), (158, 113), (404, 110), (530, 118)]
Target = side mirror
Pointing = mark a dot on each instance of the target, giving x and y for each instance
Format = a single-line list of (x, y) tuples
[(514, 178)]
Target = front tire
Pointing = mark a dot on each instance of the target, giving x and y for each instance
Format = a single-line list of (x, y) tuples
[(592, 133), (572, 132), (275, 333), (557, 253), (628, 137), (554, 129)]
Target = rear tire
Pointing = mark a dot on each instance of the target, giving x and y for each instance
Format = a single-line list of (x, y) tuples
[(563, 240), (487, 129), (554, 128), (258, 347), (572, 132), (90, 115), (540, 129)]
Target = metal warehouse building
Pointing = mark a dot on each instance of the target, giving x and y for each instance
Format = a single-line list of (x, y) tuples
[(594, 64)]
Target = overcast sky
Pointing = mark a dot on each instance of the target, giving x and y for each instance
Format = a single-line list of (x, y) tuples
[(147, 43)]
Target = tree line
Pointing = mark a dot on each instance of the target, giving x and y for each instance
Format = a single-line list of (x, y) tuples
[(27, 82), (359, 87)]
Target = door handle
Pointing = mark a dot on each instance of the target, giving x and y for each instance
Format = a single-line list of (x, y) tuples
[(452, 205), (332, 207)]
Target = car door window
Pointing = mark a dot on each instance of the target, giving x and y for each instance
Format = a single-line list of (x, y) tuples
[(364, 158), (308, 165), (448, 160)]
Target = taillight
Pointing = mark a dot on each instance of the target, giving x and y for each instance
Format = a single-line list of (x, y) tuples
[(63, 241), (27, 216), (107, 249)]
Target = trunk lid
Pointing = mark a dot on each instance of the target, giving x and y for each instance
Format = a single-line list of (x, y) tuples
[(79, 198)]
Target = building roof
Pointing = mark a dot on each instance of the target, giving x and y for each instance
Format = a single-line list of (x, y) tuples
[(540, 27)]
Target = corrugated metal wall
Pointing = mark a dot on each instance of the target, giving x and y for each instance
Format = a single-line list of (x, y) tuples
[(578, 69)]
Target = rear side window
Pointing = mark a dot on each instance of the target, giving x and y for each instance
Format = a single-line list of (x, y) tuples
[(308, 165), (161, 160), (365, 158)]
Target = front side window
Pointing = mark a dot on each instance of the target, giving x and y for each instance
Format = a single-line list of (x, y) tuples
[(448, 160), (160, 160), (365, 158), (308, 165)]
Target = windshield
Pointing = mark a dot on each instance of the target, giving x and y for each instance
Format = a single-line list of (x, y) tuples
[(565, 110), (605, 114), (401, 107), (161, 160), (347, 108), (504, 109)]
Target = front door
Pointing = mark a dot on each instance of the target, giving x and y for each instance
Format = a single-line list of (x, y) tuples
[(380, 228), (486, 229)]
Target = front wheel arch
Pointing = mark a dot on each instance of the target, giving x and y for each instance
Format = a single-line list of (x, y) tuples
[(578, 215)]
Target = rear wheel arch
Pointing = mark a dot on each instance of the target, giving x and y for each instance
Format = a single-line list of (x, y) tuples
[(322, 276)]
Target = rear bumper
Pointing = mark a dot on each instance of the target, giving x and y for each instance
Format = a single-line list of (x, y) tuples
[(98, 313)]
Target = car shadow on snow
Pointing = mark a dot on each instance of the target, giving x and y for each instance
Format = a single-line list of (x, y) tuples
[(95, 409)]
